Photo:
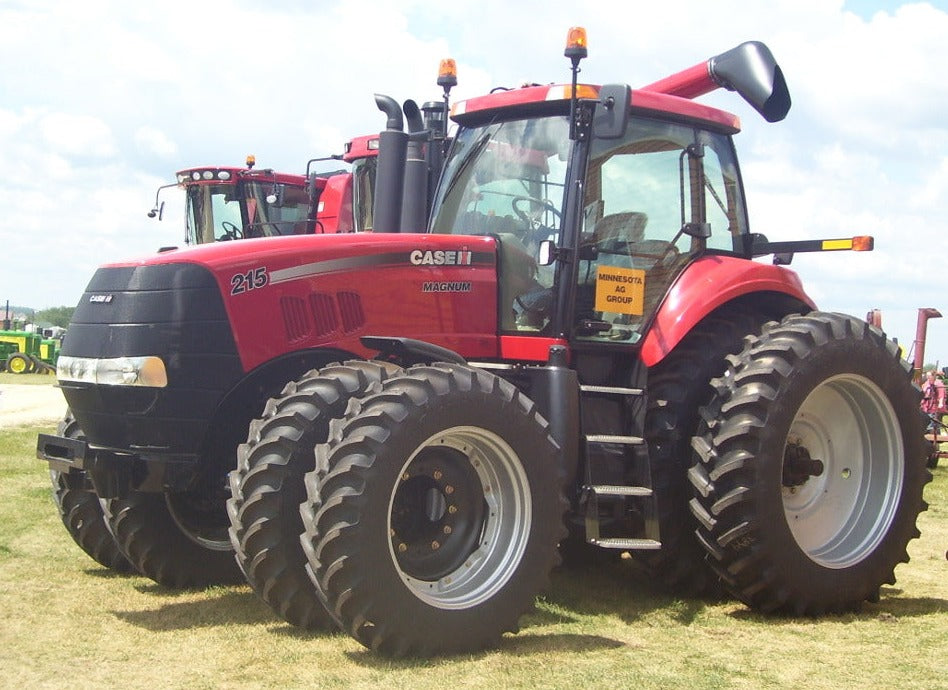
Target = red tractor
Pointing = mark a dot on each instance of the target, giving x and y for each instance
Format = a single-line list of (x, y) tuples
[(229, 203), (579, 354)]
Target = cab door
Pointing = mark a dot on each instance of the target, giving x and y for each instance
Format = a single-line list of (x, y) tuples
[(653, 201)]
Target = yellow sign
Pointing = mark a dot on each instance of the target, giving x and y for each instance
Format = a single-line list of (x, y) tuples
[(620, 290)]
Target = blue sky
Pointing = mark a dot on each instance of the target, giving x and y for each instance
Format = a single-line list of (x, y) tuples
[(101, 101), (866, 9)]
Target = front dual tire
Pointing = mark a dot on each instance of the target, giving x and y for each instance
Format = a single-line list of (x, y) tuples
[(433, 515)]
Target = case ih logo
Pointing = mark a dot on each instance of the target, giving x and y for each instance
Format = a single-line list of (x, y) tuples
[(422, 257), (100, 299)]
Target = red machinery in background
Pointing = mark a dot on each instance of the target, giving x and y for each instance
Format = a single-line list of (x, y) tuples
[(230, 203)]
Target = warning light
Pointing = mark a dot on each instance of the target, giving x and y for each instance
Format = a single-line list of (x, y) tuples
[(447, 73), (251, 161), (863, 243), (576, 43)]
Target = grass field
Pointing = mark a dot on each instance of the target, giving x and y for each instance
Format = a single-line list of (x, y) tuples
[(65, 621), (27, 379)]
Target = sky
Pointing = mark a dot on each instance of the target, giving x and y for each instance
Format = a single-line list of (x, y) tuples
[(101, 101)]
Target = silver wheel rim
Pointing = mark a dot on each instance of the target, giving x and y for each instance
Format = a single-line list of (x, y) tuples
[(840, 516), (502, 534)]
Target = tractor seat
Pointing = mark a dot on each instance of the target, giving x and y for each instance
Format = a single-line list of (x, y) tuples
[(618, 230)]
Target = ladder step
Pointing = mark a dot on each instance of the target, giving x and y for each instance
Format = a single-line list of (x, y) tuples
[(611, 390), (628, 544), (620, 440), (612, 490)]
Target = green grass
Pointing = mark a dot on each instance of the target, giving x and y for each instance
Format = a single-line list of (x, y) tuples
[(64, 620), (28, 379)]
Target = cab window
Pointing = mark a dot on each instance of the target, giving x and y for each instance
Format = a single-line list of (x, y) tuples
[(646, 196)]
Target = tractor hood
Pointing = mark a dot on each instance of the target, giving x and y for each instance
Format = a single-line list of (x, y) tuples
[(283, 294)]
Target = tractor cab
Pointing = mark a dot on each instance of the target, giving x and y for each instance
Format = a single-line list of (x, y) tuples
[(230, 203), (233, 203), (591, 230)]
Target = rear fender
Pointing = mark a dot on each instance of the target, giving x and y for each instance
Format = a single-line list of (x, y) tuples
[(709, 283)]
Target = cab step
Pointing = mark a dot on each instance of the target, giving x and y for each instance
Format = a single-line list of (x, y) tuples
[(617, 440), (611, 490), (628, 544)]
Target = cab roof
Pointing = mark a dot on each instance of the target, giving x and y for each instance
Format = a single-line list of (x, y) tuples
[(554, 98)]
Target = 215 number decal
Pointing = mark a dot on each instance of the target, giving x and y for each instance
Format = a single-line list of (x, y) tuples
[(251, 280)]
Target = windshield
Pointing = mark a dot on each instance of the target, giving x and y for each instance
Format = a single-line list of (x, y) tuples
[(217, 212), (507, 180)]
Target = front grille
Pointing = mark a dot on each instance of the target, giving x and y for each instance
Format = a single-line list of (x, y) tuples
[(174, 311)]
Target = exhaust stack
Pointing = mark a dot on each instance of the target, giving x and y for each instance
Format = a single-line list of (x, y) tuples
[(390, 176), (414, 210), (921, 329)]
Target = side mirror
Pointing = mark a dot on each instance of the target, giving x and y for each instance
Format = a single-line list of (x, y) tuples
[(546, 253), (158, 211), (611, 117)]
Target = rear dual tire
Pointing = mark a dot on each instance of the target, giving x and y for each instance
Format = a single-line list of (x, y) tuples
[(811, 467)]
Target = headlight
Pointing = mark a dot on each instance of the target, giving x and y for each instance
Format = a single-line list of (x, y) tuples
[(117, 371)]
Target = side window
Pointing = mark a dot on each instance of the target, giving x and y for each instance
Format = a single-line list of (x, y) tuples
[(646, 184), (286, 215), (722, 194), (641, 192)]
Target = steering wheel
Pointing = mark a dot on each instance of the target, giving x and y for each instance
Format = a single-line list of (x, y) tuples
[(528, 217), (231, 231)]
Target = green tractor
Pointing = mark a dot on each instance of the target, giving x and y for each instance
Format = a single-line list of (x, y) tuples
[(23, 352)]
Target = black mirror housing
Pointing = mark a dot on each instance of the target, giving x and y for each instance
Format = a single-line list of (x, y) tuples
[(611, 116)]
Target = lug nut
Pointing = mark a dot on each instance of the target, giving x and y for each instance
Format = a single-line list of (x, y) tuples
[(435, 546)]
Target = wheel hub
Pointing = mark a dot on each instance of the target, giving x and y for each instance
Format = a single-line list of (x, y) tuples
[(798, 466), (839, 507), (437, 513)]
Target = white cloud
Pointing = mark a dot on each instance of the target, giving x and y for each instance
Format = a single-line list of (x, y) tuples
[(90, 128), (155, 142), (77, 135)]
